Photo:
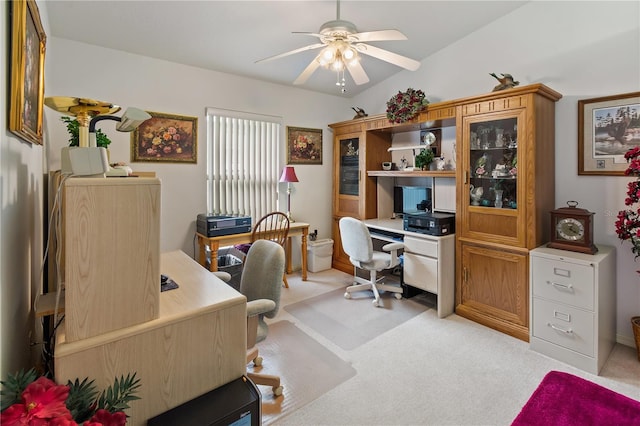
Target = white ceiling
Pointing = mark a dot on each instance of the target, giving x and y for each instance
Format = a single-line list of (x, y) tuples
[(229, 36)]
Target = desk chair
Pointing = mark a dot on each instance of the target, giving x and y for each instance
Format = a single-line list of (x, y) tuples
[(273, 226), (356, 243), (261, 283)]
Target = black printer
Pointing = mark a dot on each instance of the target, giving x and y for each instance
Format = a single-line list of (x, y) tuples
[(430, 223), (214, 226)]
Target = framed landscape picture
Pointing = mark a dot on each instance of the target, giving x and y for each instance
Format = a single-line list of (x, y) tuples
[(28, 43), (166, 137), (304, 146), (607, 128)]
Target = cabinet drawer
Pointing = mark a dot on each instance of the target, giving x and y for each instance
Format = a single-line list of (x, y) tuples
[(564, 325), (421, 272), (421, 246), (563, 282)]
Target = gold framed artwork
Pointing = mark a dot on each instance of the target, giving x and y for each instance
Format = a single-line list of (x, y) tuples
[(166, 137), (304, 146), (607, 128), (28, 42)]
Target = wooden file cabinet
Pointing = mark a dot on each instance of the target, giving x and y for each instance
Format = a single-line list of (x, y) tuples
[(573, 305)]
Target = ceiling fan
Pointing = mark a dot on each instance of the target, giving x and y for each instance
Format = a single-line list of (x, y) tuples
[(342, 45)]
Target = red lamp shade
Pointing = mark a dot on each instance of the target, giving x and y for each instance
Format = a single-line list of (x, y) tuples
[(288, 174)]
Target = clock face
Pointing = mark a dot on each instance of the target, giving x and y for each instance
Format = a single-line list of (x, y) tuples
[(570, 229), (428, 138)]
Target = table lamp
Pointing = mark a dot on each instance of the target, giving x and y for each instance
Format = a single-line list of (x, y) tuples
[(289, 175)]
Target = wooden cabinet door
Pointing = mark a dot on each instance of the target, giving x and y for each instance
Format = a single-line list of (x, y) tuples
[(492, 201), (347, 187), (340, 259), (493, 288)]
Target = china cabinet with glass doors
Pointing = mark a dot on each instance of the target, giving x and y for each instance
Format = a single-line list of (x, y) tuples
[(354, 192), (505, 185)]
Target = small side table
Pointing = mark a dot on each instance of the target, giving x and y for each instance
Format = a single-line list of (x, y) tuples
[(214, 243)]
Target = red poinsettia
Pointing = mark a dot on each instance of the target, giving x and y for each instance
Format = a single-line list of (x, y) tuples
[(628, 220), (105, 418), (43, 403), (33, 400)]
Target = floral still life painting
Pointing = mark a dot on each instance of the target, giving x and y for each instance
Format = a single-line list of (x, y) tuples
[(166, 137), (304, 146), (31, 399)]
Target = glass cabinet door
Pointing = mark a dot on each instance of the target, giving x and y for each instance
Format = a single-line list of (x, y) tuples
[(493, 163), (349, 167)]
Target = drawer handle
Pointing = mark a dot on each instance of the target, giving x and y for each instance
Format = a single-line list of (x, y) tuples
[(557, 328), (566, 287)]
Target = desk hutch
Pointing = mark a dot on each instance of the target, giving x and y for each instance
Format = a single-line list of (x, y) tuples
[(504, 151)]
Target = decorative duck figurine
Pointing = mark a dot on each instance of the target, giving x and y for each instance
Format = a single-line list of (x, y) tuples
[(476, 195)]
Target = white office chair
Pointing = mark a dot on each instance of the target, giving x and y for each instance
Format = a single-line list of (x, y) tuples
[(357, 244)]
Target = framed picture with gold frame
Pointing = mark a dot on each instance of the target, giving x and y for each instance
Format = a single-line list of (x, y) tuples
[(28, 43), (304, 146), (166, 137), (607, 128)]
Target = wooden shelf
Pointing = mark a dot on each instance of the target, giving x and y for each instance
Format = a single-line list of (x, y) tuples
[(47, 304), (412, 173)]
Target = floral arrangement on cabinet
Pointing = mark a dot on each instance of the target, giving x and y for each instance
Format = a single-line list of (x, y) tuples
[(404, 106), (628, 222), (31, 399)]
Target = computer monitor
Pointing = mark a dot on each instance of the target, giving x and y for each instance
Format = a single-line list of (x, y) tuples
[(411, 199)]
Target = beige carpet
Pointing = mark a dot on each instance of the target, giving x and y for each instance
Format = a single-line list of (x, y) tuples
[(350, 323), (306, 368)]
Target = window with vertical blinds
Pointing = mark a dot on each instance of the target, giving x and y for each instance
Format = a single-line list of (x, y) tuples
[(243, 163)]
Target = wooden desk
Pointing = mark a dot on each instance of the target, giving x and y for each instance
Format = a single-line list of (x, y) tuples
[(198, 343), (214, 243)]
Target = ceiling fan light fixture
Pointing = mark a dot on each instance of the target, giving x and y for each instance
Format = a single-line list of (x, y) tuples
[(349, 53)]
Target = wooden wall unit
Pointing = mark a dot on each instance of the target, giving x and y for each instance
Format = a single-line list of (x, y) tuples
[(493, 240), (492, 243)]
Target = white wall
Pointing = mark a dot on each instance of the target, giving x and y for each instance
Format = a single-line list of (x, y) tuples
[(82, 70), (22, 195), (580, 49)]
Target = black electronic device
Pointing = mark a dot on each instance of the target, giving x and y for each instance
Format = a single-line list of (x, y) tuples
[(215, 226), (429, 223), (235, 404), (411, 199)]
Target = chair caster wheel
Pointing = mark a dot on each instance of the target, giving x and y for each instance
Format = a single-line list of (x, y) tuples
[(398, 296), (277, 390), (347, 295), (258, 361)]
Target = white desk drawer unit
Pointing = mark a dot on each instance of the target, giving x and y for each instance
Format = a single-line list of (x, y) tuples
[(573, 305), (429, 261)]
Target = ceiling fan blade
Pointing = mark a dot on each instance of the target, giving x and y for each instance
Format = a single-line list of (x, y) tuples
[(310, 69), (358, 74), (292, 52), (307, 33), (383, 35), (385, 55)]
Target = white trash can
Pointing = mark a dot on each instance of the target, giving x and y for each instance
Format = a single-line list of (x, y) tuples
[(319, 255)]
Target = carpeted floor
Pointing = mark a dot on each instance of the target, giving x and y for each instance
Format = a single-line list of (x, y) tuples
[(424, 371), (350, 323), (306, 368)]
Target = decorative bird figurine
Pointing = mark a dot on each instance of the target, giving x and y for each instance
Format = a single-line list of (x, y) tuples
[(506, 82), (359, 112)]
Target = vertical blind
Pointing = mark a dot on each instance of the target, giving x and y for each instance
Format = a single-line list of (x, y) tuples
[(243, 153)]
